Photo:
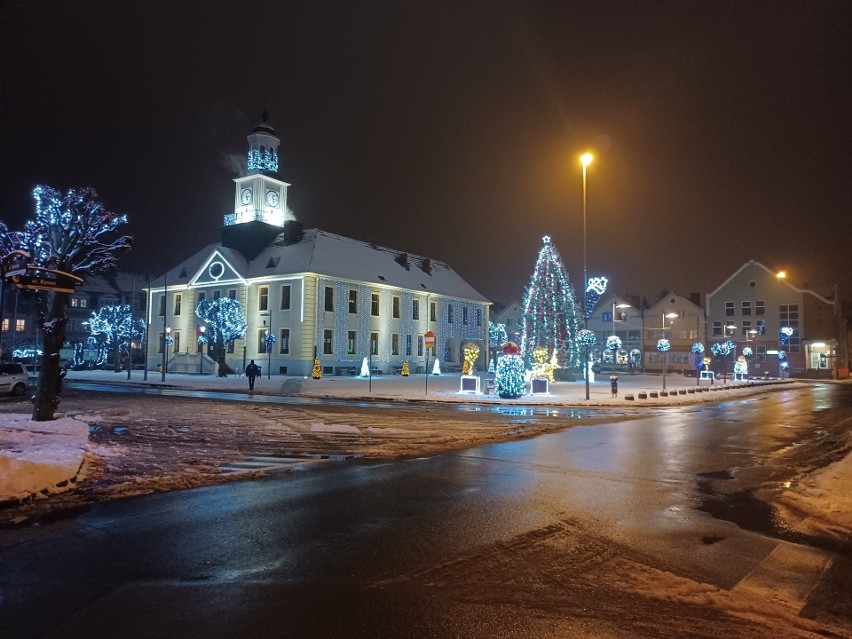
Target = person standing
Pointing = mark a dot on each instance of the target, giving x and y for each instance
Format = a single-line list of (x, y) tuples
[(252, 371)]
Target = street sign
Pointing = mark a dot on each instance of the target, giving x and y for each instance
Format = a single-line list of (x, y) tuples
[(43, 279), (429, 339)]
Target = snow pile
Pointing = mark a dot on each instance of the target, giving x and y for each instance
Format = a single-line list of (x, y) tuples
[(825, 497), (39, 457)]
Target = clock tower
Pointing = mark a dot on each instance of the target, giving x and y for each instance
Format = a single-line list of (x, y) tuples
[(260, 196)]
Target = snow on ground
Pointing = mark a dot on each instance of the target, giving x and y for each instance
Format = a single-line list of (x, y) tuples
[(39, 457), (42, 458)]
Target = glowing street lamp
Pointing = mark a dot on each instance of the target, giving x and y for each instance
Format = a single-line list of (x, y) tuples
[(202, 340), (585, 160), (666, 316), (615, 352)]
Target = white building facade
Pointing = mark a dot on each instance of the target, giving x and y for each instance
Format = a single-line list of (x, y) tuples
[(320, 295)]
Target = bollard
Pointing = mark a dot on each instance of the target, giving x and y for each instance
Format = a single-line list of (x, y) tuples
[(613, 385)]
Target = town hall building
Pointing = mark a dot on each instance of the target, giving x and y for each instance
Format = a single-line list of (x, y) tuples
[(320, 295)]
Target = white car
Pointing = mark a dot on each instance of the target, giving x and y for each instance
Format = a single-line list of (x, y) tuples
[(13, 378)]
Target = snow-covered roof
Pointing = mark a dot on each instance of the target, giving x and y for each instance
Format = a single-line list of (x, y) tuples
[(334, 257)]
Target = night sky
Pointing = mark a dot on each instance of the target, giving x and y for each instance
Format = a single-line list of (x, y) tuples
[(721, 130)]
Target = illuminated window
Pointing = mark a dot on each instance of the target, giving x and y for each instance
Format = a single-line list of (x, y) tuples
[(353, 301), (20, 325), (263, 298)]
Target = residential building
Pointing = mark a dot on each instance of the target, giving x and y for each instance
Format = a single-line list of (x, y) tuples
[(614, 315), (679, 320), (756, 308)]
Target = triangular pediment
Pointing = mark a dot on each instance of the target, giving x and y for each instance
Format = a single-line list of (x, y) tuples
[(217, 270)]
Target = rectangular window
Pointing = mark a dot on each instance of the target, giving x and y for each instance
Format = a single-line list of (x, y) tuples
[(420, 346), (374, 343), (760, 307), (261, 340), (395, 307), (284, 340), (718, 331), (72, 325), (177, 303), (450, 310), (464, 315), (327, 342), (20, 325), (408, 345), (746, 307), (162, 305), (285, 297), (374, 304), (746, 328), (232, 293), (479, 317), (75, 302), (353, 301), (329, 298), (433, 312), (729, 309), (230, 348), (351, 342), (633, 335), (263, 298), (161, 342), (199, 298), (217, 295), (176, 345), (395, 344), (760, 350), (415, 309)]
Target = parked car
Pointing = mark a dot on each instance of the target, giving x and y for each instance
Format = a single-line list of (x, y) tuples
[(13, 378)]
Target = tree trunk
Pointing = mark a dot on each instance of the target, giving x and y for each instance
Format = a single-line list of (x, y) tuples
[(46, 399), (116, 354), (220, 354)]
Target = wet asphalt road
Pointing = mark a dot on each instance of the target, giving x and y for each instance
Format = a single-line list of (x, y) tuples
[(547, 537)]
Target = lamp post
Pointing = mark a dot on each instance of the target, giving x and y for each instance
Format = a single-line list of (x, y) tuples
[(202, 340), (615, 352), (730, 329), (666, 353), (268, 355), (166, 337), (585, 160)]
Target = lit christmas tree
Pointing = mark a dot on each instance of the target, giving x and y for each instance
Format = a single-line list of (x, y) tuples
[(115, 327), (509, 382), (225, 317), (317, 372), (405, 370), (551, 318)]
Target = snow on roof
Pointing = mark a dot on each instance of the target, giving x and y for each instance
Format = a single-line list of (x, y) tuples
[(335, 257)]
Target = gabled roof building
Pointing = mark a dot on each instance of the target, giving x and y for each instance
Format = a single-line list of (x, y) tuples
[(319, 294)]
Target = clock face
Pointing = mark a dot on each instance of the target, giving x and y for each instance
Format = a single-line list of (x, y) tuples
[(272, 198), (245, 196)]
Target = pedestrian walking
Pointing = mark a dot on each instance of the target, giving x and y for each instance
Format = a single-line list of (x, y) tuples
[(252, 371)]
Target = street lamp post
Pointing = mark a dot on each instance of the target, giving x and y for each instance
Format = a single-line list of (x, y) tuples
[(585, 160), (166, 336), (730, 329), (615, 352), (666, 354), (201, 341)]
